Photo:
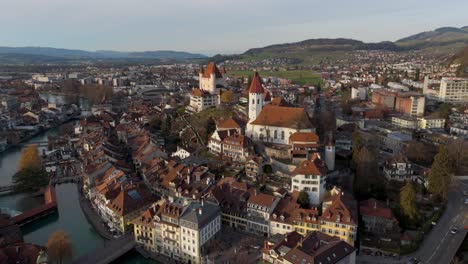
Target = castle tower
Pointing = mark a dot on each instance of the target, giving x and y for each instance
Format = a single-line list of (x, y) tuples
[(330, 152), (256, 97), (211, 78)]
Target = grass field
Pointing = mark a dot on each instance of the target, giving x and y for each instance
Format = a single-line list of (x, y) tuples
[(301, 77)]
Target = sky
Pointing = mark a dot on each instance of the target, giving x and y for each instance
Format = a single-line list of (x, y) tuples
[(216, 26)]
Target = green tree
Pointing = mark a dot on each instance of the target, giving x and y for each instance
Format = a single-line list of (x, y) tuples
[(303, 199), (59, 247), (267, 169), (445, 110), (439, 177), (29, 180), (417, 75), (408, 201)]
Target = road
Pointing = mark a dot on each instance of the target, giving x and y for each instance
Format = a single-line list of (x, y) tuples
[(439, 246)]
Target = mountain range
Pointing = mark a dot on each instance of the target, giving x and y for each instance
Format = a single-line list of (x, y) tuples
[(443, 41), (57, 55)]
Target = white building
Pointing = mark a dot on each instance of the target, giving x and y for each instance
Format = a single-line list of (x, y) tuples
[(310, 176), (451, 90), (273, 122)]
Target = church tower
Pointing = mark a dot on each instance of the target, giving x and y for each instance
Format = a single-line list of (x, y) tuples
[(330, 152), (256, 96)]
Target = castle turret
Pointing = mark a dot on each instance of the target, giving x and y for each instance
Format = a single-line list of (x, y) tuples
[(256, 97), (330, 152)]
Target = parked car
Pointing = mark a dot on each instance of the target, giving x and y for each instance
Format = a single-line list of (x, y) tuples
[(466, 200), (453, 231)]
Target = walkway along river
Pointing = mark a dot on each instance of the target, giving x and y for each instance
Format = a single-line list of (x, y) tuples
[(69, 217)]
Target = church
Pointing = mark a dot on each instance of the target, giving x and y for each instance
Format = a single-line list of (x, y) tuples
[(211, 80), (273, 121)]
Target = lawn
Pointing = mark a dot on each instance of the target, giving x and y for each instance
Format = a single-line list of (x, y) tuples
[(301, 77)]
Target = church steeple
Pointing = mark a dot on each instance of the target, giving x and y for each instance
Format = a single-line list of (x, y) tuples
[(256, 97)]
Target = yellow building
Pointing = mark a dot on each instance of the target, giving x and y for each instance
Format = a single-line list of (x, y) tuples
[(340, 217)]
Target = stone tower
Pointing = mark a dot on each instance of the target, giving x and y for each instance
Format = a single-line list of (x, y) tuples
[(330, 152)]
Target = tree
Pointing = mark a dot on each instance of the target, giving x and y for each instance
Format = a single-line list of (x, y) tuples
[(458, 154), (408, 201), (59, 247), (29, 180), (439, 176), (303, 199), (155, 123), (30, 158), (445, 110), (417, 75), (227, 97), (357, 145), (267, 169), (420, 153)]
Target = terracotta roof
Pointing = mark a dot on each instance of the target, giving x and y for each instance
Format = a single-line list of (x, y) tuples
[(200, 92), (304, 137), (129, 200), (267, 97), (373, 207), (316, 247), (256, 85), (291, 117), (314, 166), (261, 199), (228, 123), (211, 69), (343, 209)]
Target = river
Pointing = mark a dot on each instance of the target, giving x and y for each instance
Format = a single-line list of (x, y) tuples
[(69, 217)]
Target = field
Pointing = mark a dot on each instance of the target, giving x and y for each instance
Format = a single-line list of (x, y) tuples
[(300, 77)]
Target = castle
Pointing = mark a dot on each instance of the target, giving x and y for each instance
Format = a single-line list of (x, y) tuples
[(211, 80)]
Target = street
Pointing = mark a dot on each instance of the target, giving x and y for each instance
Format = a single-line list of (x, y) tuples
[(439, 246)]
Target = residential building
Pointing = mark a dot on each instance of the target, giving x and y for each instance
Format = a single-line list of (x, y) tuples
[(410, 103), (315, 247), (451, 90), (303, 144), (398, 168), (340, 216), (259, 208), (378, 217), (310, 176), (254, 167)]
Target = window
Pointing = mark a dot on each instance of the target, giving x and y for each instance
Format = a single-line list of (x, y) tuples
[(258, 101), (282, 135), (276, 134), (253, 101)]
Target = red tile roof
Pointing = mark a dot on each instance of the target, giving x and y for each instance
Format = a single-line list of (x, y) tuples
[(304, 137), (211, 69), (291, 117), (314, 166), (373, 207), (256, 85)]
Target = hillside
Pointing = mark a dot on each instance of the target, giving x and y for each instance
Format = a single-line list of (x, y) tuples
[(440, 41), (441, 37), (462, 58), (19, 55)]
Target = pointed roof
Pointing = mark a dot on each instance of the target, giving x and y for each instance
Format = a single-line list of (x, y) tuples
[(314, 166), (267, 96), (256, 85), (212, 69)]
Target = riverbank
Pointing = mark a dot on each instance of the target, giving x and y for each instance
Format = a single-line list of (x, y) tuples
[(93, 218)]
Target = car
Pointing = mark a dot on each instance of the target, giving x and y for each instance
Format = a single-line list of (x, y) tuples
[(466, 200), (434, 223), (413, 261), (465, 193), (453, 231)]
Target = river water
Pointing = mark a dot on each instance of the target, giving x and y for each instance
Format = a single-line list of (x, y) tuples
[(69, 217)]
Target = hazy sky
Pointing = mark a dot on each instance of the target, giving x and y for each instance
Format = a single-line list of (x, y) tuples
[(215, 26)]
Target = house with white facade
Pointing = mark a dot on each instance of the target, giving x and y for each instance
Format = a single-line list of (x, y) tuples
[(310, 176)]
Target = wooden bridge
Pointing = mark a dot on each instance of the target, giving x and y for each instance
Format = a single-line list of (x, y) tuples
[(49, 207), (112, 250)]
